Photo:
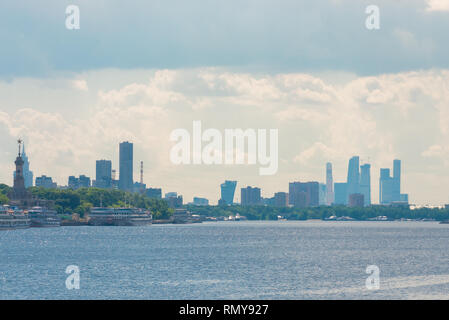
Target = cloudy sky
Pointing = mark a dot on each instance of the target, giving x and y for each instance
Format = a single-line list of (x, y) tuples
[(311, 69)]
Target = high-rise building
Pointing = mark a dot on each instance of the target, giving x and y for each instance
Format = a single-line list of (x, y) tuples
[(397, 180), (126, 166), (329, 185), (303, 194), (81, 182), (322, 194), (45, 182), (250, 196), (227, 192), (390, 187), (281, 199), (353, 175), (341, 193), (103, 174), (27, 174), (365, 183)]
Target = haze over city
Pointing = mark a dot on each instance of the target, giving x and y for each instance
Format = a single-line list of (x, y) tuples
[(381, 96)]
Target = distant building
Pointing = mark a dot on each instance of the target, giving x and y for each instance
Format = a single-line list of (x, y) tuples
[(250, 196), (81, 182), (154, 193), (171, 194), (139, 187), (126, 166), (303, 194), (27, 174), (267, 201), (322, 194), (173, 200), (45, 182), (341, 193), (281, 199), (103, 174), (353, 182), (390, 187), (365, 183), (200, 201), (356, 200), (227, 192), (329, 185)]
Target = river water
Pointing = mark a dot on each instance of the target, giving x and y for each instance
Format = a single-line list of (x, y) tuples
[(229, 260)]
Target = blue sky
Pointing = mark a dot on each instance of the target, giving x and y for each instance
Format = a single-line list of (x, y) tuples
[(136, 70)]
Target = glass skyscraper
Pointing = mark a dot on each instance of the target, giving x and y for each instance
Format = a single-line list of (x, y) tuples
[(390, 186), (353, 176), (126, 167), (227, 192), (365, 183)]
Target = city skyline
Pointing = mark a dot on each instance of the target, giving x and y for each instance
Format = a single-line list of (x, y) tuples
[(300, 194)]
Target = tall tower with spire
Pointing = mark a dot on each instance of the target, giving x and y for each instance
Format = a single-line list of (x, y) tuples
[(19, 191), (27, 174)]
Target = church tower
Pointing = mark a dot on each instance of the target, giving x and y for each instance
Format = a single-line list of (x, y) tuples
[(19, 191)]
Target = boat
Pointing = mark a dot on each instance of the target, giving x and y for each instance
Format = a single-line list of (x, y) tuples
[(119, 217), (12, 218), (182, 216), (43, 217)]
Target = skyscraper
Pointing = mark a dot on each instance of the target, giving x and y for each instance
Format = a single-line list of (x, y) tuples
[(281, 199), (397, 180), (353, 176), (329, 185), (341, 193), (365, 183), (250, 196), (126, 166), (303, 194), (27, 174), (322, 194), (103, 174), (385, 187), (227, 192), (390, 187)]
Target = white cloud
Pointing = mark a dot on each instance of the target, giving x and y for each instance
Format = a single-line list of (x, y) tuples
[(80, 85), (403, 115), (437, 5)]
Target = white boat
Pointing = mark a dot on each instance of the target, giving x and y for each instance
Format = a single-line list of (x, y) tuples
[(43, 217), (12, 218), (119, 217)]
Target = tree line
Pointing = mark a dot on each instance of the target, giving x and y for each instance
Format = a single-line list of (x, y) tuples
[(321, 212), (68, 201)]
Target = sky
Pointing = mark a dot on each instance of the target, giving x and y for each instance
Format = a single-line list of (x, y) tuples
[(136, 71)]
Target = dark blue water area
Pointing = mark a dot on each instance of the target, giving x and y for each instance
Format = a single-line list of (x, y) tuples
[(229, 260)]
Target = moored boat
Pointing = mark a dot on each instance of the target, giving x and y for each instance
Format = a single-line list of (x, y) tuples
[(43, 217), (12, 218), (119, 217)]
